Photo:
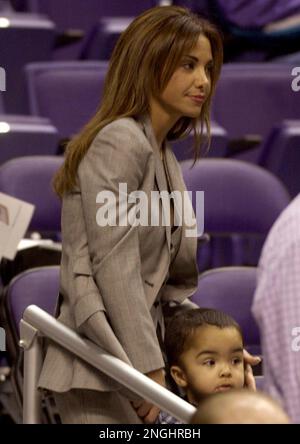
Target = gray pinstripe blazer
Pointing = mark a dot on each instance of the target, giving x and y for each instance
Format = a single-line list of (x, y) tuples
[(111, 276)]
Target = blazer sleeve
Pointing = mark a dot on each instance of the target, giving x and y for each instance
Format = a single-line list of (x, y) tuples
[(119, 155)]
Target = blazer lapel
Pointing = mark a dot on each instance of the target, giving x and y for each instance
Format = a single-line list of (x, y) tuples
[(175, 181), (159, 168), (188, 245)]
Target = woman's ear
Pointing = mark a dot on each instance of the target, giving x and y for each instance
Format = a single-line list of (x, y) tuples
[(178, 375)]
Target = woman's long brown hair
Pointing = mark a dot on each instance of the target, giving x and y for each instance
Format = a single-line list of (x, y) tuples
[(143, 61)]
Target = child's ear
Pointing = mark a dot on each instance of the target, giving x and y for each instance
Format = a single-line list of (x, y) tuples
[(178, 375)]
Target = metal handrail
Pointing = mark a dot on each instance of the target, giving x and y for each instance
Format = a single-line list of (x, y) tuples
[(37, 322)]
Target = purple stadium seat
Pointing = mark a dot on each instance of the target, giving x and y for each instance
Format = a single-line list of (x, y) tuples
[(30, 179), (235, 194), (183, 149), (252, 98), (39, 286), (68, 93), (24, 38), (81, 16), (231, 289), (280, 154), (26, 136), (100, 42), (77, 14), (5, 5), (240, 199)]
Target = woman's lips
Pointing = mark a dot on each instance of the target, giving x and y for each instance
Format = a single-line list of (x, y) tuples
[(197, 99)]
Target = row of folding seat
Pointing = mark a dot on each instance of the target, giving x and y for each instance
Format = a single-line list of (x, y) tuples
[(255, 109), (241, 200), (32, 37), (250, 98), (60, 30)]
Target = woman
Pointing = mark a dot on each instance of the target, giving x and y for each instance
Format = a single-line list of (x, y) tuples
[(116, 278)]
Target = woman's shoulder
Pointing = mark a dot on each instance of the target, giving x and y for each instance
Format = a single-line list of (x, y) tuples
[(122, 138), (123, 127), (122, 135)]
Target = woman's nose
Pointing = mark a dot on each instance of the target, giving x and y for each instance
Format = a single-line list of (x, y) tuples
[(201, 78)]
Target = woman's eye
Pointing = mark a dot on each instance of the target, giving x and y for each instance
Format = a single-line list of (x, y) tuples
[(188, 66), (209, 69), (236, 361)]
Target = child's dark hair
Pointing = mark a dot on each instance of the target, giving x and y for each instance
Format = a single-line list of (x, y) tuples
[(183, 325)]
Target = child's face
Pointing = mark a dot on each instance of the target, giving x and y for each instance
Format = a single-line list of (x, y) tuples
[(212, 363)]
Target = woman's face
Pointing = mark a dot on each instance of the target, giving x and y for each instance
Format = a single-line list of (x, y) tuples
[(190, 84)]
